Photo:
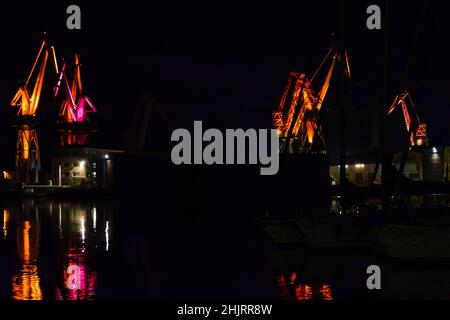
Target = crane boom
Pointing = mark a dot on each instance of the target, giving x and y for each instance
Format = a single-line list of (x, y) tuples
[(27, 102)]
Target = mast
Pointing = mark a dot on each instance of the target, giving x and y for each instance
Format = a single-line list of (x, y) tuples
[(381, 124), (342, 111)]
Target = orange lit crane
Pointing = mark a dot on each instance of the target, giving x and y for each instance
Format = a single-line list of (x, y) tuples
[(416, 129), (27, 101), (298, 115)]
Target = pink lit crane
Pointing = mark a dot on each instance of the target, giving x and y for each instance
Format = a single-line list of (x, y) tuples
[(74, 108), (76, 105)]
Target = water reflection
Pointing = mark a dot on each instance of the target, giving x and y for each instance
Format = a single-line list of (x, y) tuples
[(79, 245), (292, 288), (107, 235), (26, 282), (79, 281), (5, 223), (57, 248)]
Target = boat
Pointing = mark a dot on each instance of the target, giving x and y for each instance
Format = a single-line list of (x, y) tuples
[(414, 242)]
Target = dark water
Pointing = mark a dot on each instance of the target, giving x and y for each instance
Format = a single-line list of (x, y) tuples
[(87, 250), (52, 250)]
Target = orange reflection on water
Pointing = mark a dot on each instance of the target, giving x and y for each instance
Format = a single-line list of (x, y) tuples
[(26, 284), (292, 278), (313, 292), (326, 292), (26, 242), (303, 292), (5, 222), (282, 284), (294, 289)]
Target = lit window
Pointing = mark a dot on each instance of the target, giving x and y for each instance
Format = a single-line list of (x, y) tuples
[(94, 174)]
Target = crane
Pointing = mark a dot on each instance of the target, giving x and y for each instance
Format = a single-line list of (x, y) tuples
[(298, 115), (27, 101), (136, 135), (75, 106), (416, 129)]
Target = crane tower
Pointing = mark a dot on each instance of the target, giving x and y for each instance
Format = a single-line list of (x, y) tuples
[(27, 101)]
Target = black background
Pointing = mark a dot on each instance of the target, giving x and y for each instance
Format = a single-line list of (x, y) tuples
[(226, 62)]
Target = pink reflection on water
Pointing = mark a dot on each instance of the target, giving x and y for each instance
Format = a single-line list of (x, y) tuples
[(79, 283)]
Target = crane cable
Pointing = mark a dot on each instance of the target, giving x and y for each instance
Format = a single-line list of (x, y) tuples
[(321, 65)]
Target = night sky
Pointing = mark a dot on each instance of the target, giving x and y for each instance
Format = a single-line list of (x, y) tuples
[(227, 62)]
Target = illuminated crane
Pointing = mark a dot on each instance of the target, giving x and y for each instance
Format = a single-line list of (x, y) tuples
[(27, 101), (417, 130), (298, 115), (74, 108)]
